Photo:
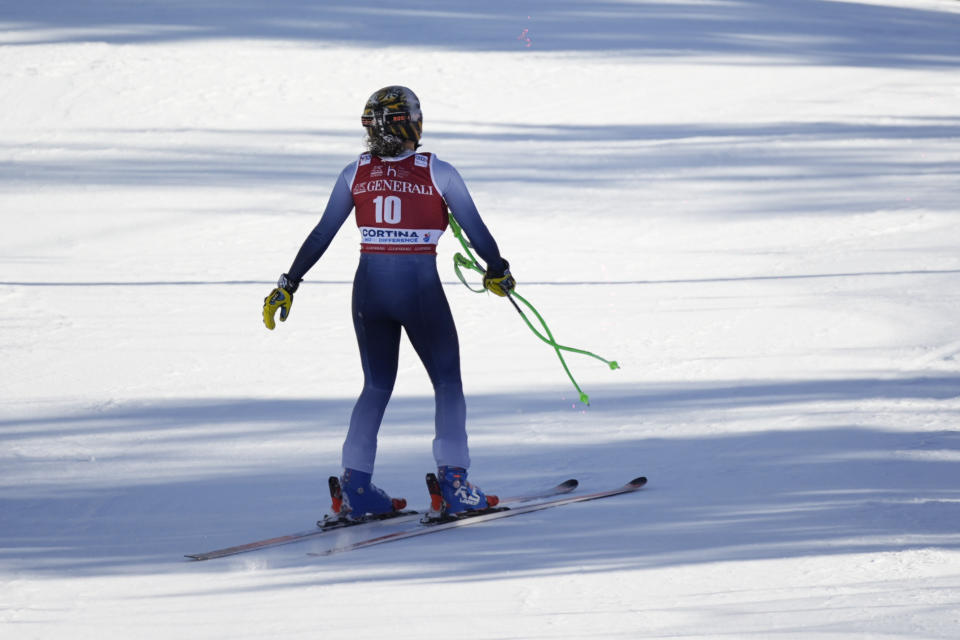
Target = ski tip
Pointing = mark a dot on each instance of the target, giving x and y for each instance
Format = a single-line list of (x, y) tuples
[(636, 483)]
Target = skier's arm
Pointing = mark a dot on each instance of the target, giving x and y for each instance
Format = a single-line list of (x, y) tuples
[(455, 193), (338, 209)]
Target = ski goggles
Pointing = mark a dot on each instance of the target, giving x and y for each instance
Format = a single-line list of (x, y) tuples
[(383, 120)]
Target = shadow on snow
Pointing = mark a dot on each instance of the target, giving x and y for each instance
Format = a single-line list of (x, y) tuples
[(853, 486), (818, 172), (811, 31)]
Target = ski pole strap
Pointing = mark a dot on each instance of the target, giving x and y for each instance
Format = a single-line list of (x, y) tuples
[(469, 261), (460, 260)]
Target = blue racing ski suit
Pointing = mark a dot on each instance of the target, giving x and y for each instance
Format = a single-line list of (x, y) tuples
[(397, 286)]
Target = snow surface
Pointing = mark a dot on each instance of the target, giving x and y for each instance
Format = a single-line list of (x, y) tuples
[(752, 206)]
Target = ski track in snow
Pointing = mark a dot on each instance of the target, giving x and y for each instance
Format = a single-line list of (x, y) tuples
[(751, 206)]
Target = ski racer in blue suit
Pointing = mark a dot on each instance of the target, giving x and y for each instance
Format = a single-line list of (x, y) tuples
[(401, 198)]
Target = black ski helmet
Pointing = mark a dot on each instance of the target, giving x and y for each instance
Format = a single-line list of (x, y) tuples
[(393, 111)]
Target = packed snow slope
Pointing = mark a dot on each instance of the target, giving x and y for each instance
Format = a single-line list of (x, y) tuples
[(751, 205)]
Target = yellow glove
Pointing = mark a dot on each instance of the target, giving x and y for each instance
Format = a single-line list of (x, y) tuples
[(499, 282), (280, 298)]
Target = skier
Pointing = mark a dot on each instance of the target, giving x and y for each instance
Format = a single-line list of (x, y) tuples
[(401, 198)]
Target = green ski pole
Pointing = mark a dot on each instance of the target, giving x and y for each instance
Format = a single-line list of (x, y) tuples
[(469, 261)]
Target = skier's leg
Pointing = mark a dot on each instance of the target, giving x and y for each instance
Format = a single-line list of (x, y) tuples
[(432, 332), (435, 340), (378, 337)]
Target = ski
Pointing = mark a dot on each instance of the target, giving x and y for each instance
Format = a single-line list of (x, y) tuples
[(403, 516), (424, 528)]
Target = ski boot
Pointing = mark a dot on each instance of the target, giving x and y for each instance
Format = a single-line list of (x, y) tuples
[(354, 497), (451, 494)]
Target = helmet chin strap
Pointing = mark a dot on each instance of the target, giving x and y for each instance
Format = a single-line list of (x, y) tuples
[(385, 145)]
